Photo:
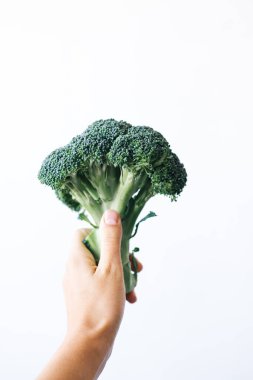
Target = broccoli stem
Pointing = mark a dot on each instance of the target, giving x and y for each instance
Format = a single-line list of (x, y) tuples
[(129, 206), (105, 179), (111, 188), (82, 194), (93, 244), (126, 189)]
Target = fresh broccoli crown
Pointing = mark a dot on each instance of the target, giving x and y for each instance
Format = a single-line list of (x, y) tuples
[(92, 159), (58, 165), (171, 178), (64, 196), (114, 165), (99, 138), (141, 148)]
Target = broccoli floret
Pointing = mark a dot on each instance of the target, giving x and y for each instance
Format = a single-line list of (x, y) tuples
[(113, 164)]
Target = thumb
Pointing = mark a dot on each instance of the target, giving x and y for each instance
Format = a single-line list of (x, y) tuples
[(110, 237)]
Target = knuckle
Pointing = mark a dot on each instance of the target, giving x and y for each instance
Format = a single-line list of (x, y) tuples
[(113, 270), (112, 234), (81, 233), (106, 269)]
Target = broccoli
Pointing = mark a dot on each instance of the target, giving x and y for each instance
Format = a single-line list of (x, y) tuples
[(114, 165)]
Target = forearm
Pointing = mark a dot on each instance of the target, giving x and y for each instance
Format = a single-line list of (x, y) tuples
[(78, 358)]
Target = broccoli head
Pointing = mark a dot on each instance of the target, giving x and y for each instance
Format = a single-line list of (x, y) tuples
[(114, 165)]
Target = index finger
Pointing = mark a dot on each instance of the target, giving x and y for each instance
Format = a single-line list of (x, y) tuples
[(79, 253)]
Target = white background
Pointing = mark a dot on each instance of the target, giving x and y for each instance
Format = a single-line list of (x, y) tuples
[(184, 68)]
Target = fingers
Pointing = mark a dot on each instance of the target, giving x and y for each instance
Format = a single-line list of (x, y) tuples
[(131, 297), (78, 236), (139, 264), (79, 253), (110, 235)]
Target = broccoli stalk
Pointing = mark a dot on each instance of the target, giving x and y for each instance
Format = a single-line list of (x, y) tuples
[(113, 165), (111, 188)]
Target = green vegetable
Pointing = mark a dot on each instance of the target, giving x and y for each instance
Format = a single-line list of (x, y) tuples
[(114, 165)]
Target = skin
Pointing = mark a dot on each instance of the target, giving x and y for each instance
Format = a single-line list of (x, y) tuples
[(95, 300)]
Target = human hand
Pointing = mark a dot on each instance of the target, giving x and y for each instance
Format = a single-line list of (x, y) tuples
[(97, 288), (95, 300), (95, 294)]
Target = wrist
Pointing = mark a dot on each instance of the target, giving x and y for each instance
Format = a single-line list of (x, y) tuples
[(100, 336), (91, 347), (83, 340)]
